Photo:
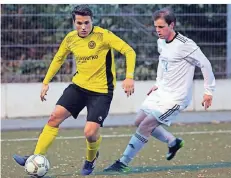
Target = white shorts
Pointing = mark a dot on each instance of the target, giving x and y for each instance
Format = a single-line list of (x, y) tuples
[(163, 109)]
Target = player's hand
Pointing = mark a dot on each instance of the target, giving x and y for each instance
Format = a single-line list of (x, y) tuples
[(128, 86), (152, 89), (45, 88), (207, 101)]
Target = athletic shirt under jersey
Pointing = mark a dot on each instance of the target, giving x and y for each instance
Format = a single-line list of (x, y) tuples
[(94, 59), (176, 67)]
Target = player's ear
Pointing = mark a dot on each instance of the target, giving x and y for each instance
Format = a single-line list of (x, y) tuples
[(172, 25)]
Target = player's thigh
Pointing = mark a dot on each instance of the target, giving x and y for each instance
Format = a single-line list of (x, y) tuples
[(58, 116), (98, 107), (148, 124), (140, 117), (73, 99)]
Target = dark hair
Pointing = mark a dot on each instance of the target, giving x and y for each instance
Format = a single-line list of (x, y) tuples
[(167, 14), (83, 10)]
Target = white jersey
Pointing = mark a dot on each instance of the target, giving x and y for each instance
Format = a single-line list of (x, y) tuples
[(176, 67)]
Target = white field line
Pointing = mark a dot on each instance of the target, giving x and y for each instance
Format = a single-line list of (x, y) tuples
[(120, 136)]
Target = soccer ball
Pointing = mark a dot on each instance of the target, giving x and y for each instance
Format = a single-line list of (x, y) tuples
[(37, 166)]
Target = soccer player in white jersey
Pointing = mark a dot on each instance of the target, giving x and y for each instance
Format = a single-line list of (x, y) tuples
[(172, 92)]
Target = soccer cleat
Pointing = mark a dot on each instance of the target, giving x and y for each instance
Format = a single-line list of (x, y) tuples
[(21, 160), (117, 167), (88, 166), (172, 150)]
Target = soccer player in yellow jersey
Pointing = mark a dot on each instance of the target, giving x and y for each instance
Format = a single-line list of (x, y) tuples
[(93, 83)]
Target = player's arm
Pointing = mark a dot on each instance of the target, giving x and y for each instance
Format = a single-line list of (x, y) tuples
[(200, 60), (122, 47), (55, 65)]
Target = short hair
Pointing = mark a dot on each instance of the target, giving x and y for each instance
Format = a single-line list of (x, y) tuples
[(167, 14), (83, 10)]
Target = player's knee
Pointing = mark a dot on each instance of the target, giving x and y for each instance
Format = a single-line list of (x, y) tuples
[(137, 123), (91, 135), (139, 118), (145, 129), (54, 120), (147, 125)]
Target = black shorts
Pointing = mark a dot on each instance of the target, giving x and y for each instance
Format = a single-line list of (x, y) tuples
[(75, 98)]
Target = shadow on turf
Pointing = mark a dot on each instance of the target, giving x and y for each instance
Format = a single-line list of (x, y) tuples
[(137, 170)]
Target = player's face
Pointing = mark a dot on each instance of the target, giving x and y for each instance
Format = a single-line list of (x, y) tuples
[(83, 25), (162, 28)]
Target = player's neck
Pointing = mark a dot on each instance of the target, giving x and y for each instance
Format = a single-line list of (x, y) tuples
[(171, 37)]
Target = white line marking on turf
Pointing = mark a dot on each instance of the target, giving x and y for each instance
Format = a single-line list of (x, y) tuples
[(119, 136)]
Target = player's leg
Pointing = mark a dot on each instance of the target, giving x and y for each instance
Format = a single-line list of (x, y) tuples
[(174, 144), (169, 113), (163, 135), (66, 106), (98, 107), (50, 130), (165, 111), (159, 132), (70, 103), (136, 143), (93, 140), (48, 133), (140, 138), (141, 115)]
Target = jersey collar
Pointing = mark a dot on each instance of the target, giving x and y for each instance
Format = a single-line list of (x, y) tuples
[(173, 38)]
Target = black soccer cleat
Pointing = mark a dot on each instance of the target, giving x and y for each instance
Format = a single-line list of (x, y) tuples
[(173, 150), (117, 167)]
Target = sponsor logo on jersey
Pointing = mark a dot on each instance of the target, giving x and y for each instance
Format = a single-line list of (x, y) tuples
[(84, 59), (91, 44)]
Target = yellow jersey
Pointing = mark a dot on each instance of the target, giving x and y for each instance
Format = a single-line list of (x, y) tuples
[(95, 66)]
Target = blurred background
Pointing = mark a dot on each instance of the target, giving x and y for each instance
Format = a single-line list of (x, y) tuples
[(30, 37), (31, 34)]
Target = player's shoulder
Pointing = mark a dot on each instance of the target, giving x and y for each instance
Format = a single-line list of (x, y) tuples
[(185, 44), (181, 38), (71, 35), (98, 29), (185, 41)]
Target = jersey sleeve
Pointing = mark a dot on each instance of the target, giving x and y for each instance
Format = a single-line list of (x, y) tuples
[(57, 61), (121, 46), (199, 59), (187, 48)]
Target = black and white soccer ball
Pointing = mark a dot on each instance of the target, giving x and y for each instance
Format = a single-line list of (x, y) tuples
[(37, 166)]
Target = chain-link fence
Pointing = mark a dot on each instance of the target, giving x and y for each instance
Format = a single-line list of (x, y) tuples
[(31, 34)]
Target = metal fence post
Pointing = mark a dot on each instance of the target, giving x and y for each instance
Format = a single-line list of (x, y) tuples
[(228, 48)]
